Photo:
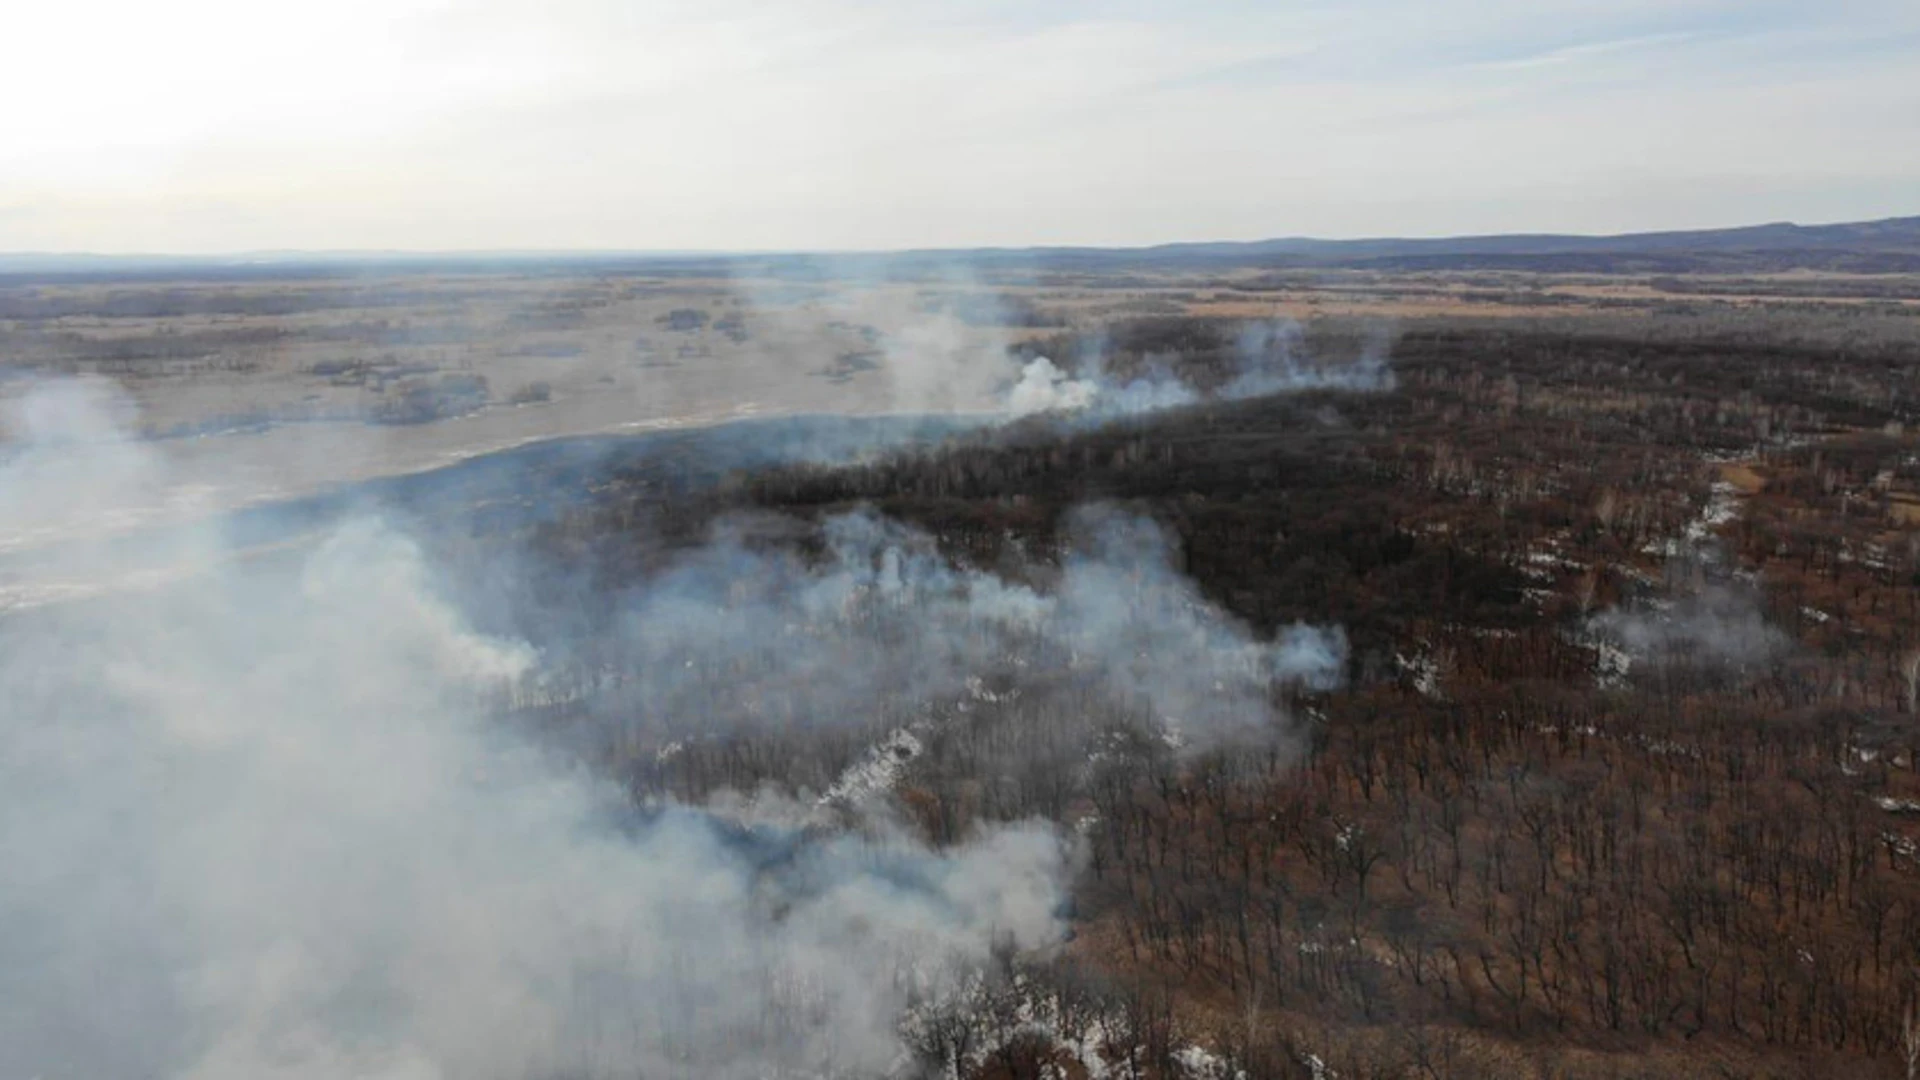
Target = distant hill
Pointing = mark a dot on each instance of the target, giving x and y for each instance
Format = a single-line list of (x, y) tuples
[(1890, 245)]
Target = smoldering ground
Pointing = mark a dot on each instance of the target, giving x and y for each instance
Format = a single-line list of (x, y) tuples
[(264, 821)]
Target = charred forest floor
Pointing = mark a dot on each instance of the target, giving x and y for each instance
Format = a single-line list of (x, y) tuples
[(1620, 780)]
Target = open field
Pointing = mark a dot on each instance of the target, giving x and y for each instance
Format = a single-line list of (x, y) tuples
[(588, 351)]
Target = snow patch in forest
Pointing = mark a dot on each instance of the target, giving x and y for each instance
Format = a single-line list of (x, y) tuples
[(990, 1018), (1723, 505), (876, 774), (1555, 560), (1200, 1064), (1611, 662), (1423, 668)]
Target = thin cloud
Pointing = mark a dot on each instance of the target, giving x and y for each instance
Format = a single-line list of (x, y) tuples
[(839, 124)]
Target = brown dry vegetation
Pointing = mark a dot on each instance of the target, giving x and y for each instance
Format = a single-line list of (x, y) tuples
[(210, 355), (1480, 858)]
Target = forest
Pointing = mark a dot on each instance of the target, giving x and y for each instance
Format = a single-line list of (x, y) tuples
[(1615, 777), (1517, 695)]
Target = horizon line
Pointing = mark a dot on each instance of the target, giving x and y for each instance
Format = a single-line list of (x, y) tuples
[(264, 254)]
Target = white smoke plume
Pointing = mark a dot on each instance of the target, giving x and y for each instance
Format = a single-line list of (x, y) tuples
[(746, 636), (1147, 628), (1269, 358), (259, 824), (1045, 388), (882, 338), (1274, 359), (72, 475), (1719, 625)]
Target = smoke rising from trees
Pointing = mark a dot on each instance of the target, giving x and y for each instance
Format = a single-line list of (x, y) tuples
[(1268, 358), (1718, 625), (749, 635), (262, 825), (265, 821)]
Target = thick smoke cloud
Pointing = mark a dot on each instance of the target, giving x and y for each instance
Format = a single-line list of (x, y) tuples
[(1044, 388), (1269, 358), (262, 818), (260, 824)]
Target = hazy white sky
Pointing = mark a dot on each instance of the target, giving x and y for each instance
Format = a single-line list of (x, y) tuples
[(226, 125)]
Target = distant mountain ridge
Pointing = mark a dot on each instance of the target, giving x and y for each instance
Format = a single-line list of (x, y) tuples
[(1896, 233), (1888, 245)]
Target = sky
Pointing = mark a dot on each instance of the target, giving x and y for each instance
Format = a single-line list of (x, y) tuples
[(204, 126)]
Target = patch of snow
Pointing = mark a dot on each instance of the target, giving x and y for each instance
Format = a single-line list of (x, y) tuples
[(1611, 664), (1723, 505), (1554, 560), (1424, 669), (877, 774), (1199, 1064)]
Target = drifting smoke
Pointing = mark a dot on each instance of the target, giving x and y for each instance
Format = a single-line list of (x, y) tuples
[(1270, 358), (71, 475), (1146, 627), (743, 638), (1274, 359), (1720, 625), (881, 343), (259, 825), (265, 822)]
